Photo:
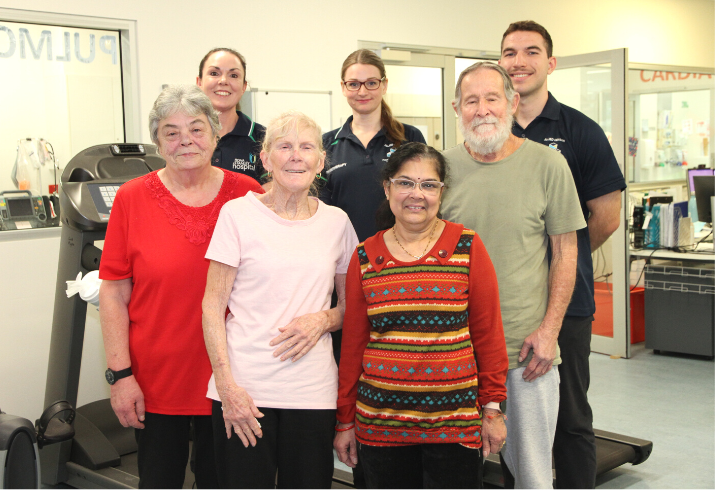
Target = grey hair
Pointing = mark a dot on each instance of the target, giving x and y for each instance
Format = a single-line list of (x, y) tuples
[(509, 91), (293, 122), (188, 99), (288, 122)]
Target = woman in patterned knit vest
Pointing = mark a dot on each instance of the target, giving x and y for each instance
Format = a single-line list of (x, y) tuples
[(423, 354)]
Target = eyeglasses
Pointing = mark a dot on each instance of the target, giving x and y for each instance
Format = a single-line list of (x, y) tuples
[(428, 187), (370, 84)]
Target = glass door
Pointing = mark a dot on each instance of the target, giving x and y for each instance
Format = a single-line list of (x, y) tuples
[(596, 84), (415, 97)]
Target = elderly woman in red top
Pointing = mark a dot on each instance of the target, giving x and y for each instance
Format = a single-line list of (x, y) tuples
[(424, 360), (154, 274)]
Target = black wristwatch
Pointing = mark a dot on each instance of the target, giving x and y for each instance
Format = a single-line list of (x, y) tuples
[(114, 376)]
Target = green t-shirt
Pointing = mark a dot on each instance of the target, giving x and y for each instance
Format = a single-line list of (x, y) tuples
[(514, 205)]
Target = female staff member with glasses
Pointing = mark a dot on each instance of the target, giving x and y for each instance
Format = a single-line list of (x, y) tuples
[(358, 150), (424, 358)]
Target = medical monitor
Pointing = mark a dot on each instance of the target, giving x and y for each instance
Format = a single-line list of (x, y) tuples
[(704, 191), (695, 172)]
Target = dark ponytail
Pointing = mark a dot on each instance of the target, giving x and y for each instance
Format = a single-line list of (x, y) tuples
[(394, 129), (384, 218)]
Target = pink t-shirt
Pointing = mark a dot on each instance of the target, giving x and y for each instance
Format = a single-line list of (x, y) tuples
[(285, 269)]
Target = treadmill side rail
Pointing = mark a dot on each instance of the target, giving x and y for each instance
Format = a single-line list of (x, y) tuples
[(641, 447)]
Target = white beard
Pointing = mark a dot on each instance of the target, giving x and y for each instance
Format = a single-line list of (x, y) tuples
[(490, 143)]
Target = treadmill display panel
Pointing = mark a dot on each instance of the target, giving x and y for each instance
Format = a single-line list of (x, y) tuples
[(103, 197)]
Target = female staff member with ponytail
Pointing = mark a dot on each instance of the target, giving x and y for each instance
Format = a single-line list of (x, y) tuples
[(358, 150)]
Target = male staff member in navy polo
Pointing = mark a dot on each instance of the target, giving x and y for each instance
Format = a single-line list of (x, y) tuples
[(526, 54)]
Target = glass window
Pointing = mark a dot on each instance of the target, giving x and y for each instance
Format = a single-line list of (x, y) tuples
[(61, 84), (669, 125), (586, 88)]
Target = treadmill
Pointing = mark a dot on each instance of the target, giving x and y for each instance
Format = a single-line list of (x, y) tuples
[(612, 450), (102, 453)]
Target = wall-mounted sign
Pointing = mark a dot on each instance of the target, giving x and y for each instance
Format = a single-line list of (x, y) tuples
[(649, 81), (62, 44)]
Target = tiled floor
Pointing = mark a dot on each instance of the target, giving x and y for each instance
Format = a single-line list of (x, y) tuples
[(667, 399)]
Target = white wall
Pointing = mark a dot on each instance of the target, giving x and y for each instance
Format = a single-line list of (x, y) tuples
[(301, 45), (28, 269)]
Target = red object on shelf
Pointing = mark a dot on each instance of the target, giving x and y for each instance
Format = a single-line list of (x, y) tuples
[(603, 318)]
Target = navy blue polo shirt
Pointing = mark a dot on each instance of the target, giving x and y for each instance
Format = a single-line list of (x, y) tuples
[(239, 151), (353, 177), (595, 173)]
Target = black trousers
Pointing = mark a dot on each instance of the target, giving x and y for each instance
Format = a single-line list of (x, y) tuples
[(297, 444), (421, 466), (163, 451), (575, 443)]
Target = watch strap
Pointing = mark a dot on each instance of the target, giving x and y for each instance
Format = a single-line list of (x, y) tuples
[(117, 375)]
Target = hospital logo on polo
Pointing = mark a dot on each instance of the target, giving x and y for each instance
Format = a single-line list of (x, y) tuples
[(554, 143), (392, 150), (251, 158), (241, 164)]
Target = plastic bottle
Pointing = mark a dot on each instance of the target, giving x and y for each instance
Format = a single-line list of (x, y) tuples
[(24, 169), (693, 209)]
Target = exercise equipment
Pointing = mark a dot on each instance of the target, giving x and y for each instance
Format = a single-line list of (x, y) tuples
[(20, 443), (102, 453), (612, 450), (21, 210)]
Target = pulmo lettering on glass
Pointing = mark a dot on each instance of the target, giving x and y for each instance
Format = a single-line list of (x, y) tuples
[(20, 43)]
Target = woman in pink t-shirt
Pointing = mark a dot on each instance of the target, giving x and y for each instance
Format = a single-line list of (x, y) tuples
[(275, 259)]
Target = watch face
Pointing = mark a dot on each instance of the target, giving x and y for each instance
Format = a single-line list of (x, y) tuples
[(110, 376)]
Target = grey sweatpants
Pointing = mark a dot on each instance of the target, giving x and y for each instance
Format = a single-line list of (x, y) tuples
[(531, 409)]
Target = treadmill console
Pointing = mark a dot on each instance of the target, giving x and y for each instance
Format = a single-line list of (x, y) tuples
[(20, 210), (91, 179)]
